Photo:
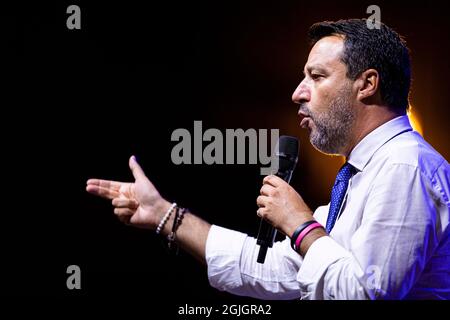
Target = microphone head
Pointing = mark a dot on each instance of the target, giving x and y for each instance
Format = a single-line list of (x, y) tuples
[(288, 146), (286, 153)]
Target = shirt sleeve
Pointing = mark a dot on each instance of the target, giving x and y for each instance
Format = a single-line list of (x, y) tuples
[(231, 258), (388, 251)]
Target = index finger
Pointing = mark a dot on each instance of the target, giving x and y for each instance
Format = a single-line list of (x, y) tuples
[(108, 184), (104, 188), (273, 180)]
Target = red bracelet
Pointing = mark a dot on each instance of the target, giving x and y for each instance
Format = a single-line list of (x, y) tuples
[(302, 234)]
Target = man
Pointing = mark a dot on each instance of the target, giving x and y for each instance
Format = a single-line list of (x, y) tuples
[(385, 233)]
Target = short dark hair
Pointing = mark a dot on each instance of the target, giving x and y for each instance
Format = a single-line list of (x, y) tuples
[(382, 49)]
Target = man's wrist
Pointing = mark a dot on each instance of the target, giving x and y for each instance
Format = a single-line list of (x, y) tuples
[(309, 239), (293, 225)]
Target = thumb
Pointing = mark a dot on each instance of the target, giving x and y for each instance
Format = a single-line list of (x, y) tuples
[(136, 168)]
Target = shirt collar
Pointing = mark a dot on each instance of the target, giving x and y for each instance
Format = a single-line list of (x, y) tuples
[(366, 148)]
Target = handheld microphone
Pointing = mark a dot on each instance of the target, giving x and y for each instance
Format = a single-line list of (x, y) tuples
[(286, 155)]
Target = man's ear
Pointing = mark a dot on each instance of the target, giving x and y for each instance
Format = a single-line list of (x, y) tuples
[(367, 84)]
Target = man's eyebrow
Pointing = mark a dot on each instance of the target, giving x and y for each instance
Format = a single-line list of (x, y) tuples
[(317, 67)]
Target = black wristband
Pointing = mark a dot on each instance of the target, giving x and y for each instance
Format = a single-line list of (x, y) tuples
[(175, 220), (298, 231), (172, 245)]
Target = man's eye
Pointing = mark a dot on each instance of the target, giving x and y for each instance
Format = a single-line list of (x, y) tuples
[(316, 76)]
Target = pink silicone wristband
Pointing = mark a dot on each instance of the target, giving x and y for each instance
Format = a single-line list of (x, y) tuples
[(302, 234)]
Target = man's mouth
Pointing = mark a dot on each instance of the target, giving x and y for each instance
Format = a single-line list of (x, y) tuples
[(304, 122), (304, 119)]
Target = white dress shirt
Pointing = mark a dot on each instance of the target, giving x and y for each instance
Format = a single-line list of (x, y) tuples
[(391, 240)]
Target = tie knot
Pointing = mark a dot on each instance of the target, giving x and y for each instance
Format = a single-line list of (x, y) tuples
[(345, 172)]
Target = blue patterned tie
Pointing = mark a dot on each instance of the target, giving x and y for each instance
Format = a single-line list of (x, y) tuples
[(338, 193)]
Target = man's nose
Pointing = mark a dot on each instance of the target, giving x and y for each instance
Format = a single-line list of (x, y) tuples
[(301, 94)]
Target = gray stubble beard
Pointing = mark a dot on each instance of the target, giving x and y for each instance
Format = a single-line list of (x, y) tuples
[(333, 130)]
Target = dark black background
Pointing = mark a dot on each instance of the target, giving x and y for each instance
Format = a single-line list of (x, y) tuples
[(77, 103)]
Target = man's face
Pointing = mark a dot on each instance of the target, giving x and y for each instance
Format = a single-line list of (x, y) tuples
[(326, 97)]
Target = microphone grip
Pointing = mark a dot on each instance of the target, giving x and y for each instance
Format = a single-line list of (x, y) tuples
[(267, 233), (262, 254), (266, 237)]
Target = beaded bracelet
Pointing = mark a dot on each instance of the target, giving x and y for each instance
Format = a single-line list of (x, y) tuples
[(165, 218)]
